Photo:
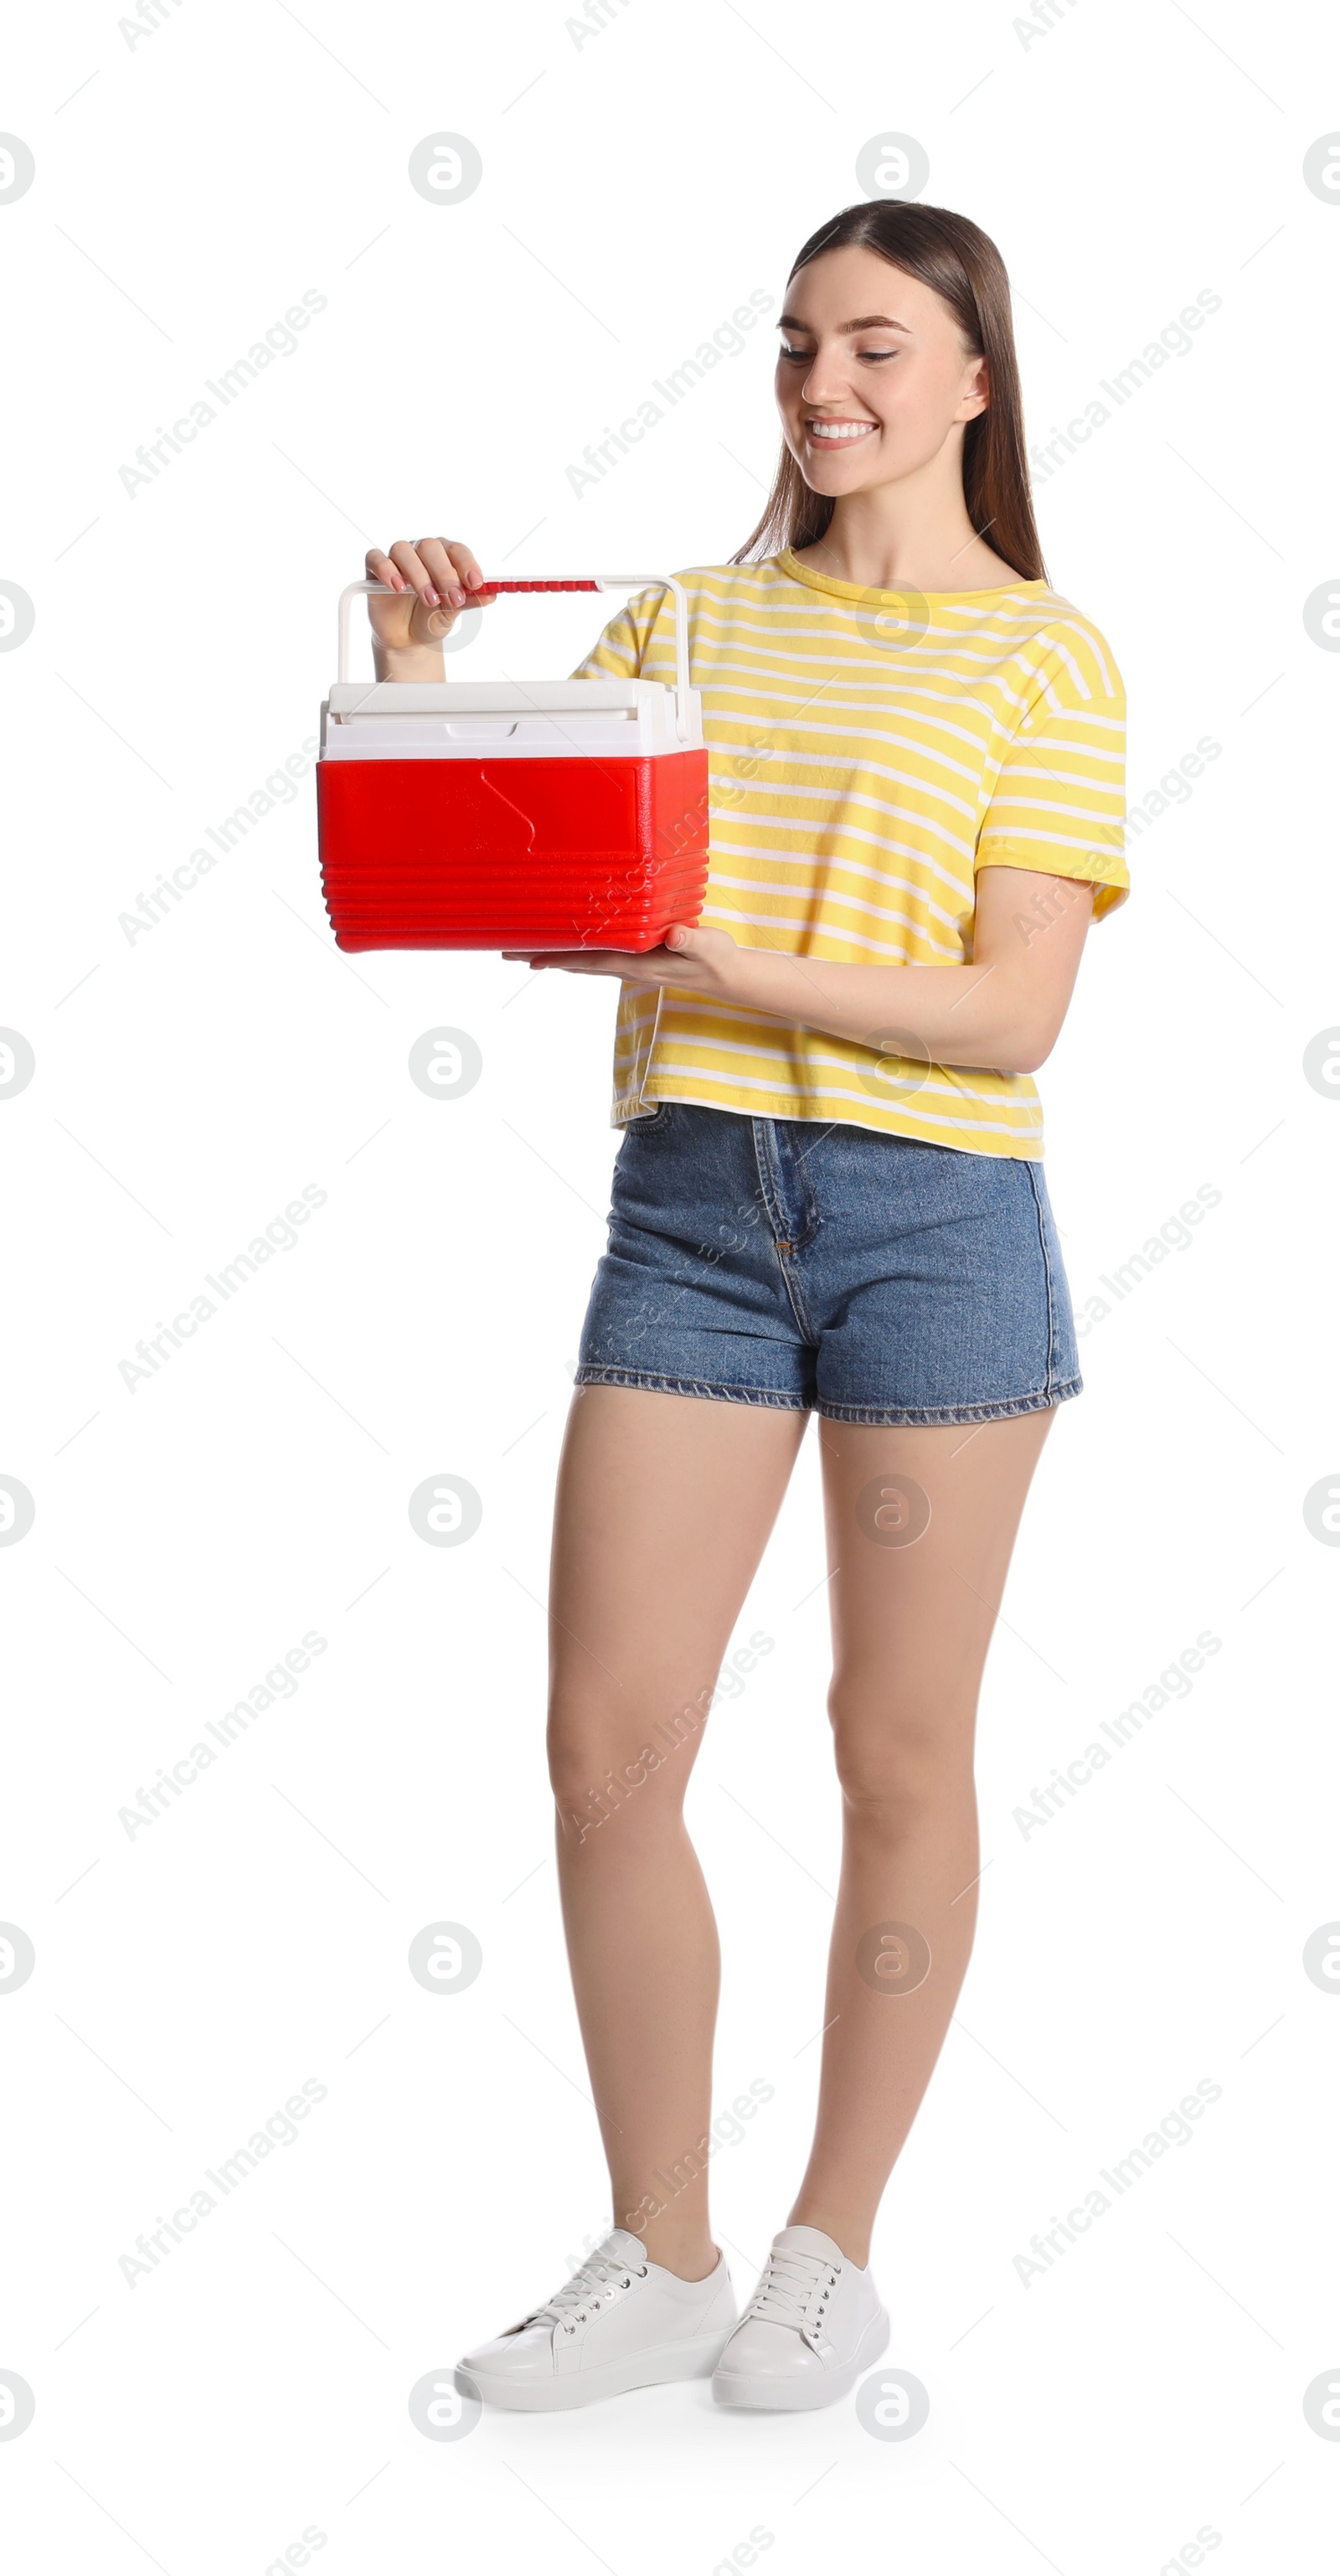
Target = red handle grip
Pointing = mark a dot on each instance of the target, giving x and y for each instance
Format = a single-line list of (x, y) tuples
[(537, 585)]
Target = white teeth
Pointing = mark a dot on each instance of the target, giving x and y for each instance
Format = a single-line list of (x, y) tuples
[(834, 430)]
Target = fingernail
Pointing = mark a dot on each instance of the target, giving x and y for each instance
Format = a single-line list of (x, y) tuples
[(432, 599), (458, 598)]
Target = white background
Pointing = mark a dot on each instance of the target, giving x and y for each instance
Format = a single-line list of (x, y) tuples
[(637, 185)]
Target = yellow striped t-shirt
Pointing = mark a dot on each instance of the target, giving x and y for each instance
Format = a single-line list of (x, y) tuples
[(868, 751)]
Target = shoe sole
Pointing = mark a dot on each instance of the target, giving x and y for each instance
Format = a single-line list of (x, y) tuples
[(695, 2358), (739, 2388)]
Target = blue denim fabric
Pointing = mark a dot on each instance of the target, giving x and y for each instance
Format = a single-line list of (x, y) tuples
[(838, 1268)]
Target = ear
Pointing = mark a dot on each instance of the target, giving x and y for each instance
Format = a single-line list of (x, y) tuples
[(978, 397)]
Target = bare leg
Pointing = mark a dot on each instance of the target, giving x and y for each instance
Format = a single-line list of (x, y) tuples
[(663, 1507), (911, 1627)]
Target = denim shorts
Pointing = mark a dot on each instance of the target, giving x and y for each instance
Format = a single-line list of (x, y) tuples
[(839, 1269)]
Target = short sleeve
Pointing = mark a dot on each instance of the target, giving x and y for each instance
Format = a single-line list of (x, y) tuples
[(1058, 802), (619, 653)]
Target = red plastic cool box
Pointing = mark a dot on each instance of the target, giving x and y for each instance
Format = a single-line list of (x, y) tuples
[(535, 814)]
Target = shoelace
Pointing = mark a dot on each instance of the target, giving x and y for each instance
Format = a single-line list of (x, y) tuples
[(788, 2294), (593, 2281)]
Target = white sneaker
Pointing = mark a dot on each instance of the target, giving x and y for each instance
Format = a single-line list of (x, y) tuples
[(812, 2326), (620, 2322)]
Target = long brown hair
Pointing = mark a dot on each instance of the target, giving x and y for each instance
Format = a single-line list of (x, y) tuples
[(963, 266)]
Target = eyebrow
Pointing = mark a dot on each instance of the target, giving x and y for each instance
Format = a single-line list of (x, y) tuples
[(867, 322)]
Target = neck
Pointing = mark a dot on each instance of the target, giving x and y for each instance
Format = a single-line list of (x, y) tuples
[(907, 536)]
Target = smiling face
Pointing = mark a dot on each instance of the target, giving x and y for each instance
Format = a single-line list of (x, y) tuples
[(872, 374)]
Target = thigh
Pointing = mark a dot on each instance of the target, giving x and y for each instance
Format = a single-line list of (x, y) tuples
[(921, 1523), (663, 1507)]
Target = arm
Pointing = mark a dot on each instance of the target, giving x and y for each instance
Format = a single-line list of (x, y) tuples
[(1005, 1010)]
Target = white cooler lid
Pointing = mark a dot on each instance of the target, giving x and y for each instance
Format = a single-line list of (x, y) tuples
[(520, 719)]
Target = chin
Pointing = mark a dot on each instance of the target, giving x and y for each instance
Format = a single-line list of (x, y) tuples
[(831, 475)]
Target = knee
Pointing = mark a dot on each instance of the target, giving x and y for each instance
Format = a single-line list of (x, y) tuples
[(897, 1761), (581, 1753), (599, 1768)]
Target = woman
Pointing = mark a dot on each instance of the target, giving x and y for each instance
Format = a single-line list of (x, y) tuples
[(829, 1197)]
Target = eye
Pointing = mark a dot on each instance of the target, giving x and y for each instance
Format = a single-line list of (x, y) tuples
[(867, 356)]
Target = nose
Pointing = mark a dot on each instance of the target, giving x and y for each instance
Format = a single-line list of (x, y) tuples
[(827, 379)]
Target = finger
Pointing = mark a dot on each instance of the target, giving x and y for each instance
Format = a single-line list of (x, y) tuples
[(468, 572), (436, 557), (416, 573), (456, 572), (379, 567)]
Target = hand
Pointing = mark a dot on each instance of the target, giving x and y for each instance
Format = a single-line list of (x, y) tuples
[(433, 579), (702, 961)]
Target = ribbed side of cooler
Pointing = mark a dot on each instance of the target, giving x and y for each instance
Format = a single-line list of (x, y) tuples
[(466, 853)]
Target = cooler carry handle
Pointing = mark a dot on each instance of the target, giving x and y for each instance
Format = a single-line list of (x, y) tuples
[(598, 581)]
